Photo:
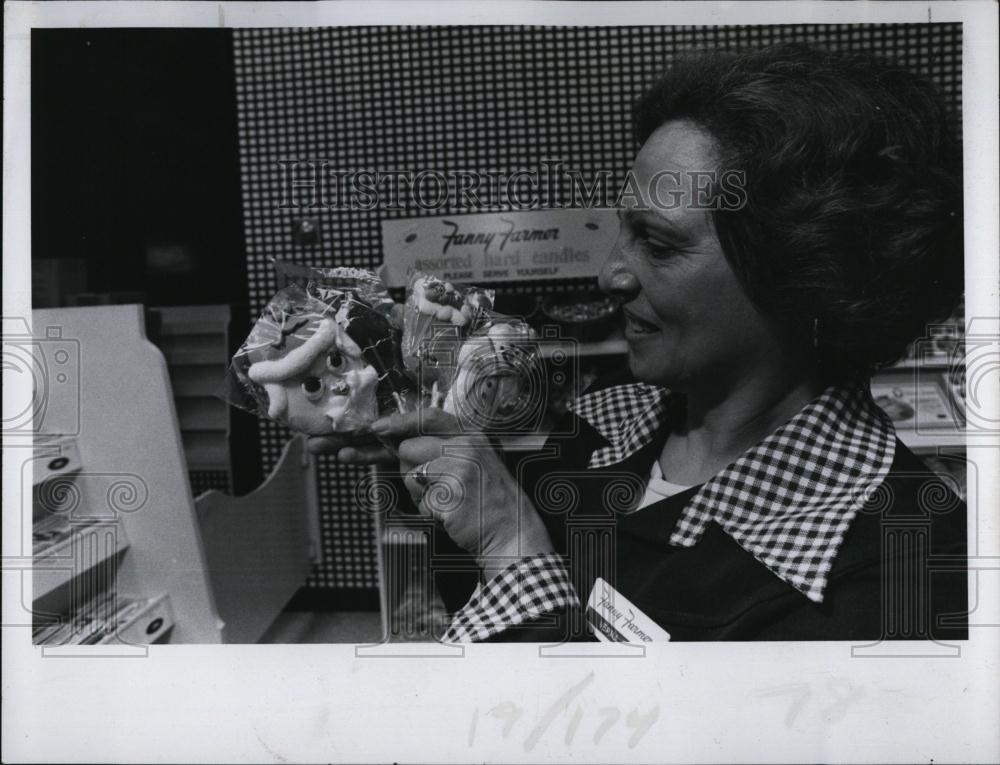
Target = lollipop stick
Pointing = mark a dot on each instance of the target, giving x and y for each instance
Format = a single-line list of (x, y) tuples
[(400, 402)]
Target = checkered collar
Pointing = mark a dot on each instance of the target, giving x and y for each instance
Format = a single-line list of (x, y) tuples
[(790, 499)]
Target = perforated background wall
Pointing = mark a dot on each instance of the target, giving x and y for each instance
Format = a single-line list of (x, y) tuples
[(455, 98)]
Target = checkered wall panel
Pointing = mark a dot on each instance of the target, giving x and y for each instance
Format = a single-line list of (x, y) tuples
[(454, 98)]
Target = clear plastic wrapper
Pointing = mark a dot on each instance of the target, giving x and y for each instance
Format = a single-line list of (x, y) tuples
[(436, 310), (497, 378), (482, 367), (324, 356)]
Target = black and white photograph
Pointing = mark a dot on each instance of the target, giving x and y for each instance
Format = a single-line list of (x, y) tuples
[(501, 382)]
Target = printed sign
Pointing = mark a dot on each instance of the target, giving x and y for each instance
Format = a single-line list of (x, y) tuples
[(615, 619), (492, 247)]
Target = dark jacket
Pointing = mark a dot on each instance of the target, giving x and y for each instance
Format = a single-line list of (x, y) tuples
[(899, 574)]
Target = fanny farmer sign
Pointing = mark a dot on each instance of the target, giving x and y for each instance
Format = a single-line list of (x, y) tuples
[(508, 246)]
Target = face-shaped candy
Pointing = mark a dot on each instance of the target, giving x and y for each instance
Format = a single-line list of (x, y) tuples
[(321, 386)]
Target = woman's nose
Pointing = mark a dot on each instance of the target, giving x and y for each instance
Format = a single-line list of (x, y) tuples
[(616, 279)]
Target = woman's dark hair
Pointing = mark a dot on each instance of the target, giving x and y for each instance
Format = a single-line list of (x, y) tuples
[(851, 231)]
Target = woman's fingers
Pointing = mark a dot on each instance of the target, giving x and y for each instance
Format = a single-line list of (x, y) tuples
[(326, 444), (371, 454), (414, 487), (459, 462), (417, 482), (417, 451), (351, 449), (437, 489), (447, 489), (423, 422)]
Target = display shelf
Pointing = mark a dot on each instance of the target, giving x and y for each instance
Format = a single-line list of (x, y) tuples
[(218, 571), (87, 549), (120, 408), (195, 343), (929, 441), (258, 547), (202, 413), (193, 380), (925, 408), (204, 450), (615, 345), (152, 622), (109, 619), (936, 363)]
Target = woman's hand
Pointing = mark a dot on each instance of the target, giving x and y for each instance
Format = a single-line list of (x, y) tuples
[(460, 480), (353, 450)]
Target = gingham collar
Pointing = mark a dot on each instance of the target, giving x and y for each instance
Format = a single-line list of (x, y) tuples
[(790, 499)]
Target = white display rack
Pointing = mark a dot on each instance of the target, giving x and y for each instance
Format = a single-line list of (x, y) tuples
[(87, 548), (215, 569)]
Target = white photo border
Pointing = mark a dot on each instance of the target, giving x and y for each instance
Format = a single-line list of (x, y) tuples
[(732, 702)]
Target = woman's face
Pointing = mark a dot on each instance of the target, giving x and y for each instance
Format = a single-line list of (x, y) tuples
[(688, 322)]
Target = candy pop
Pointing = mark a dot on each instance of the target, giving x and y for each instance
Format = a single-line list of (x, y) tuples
[(323, 358)]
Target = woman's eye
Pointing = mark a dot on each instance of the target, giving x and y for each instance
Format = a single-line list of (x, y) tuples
[(313, 388), (335, 361), (657, 247), (649, 239)]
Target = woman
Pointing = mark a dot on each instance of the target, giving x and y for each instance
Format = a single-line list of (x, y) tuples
[(739, 483)]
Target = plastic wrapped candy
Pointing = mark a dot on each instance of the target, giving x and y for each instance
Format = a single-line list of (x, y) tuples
[(437, 311), (497, 378), (473, 363), (324, 356)]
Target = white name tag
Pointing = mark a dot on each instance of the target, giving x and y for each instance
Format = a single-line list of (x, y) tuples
[(615, 619)]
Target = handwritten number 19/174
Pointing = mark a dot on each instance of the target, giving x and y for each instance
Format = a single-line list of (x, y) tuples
[(508, 714)]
